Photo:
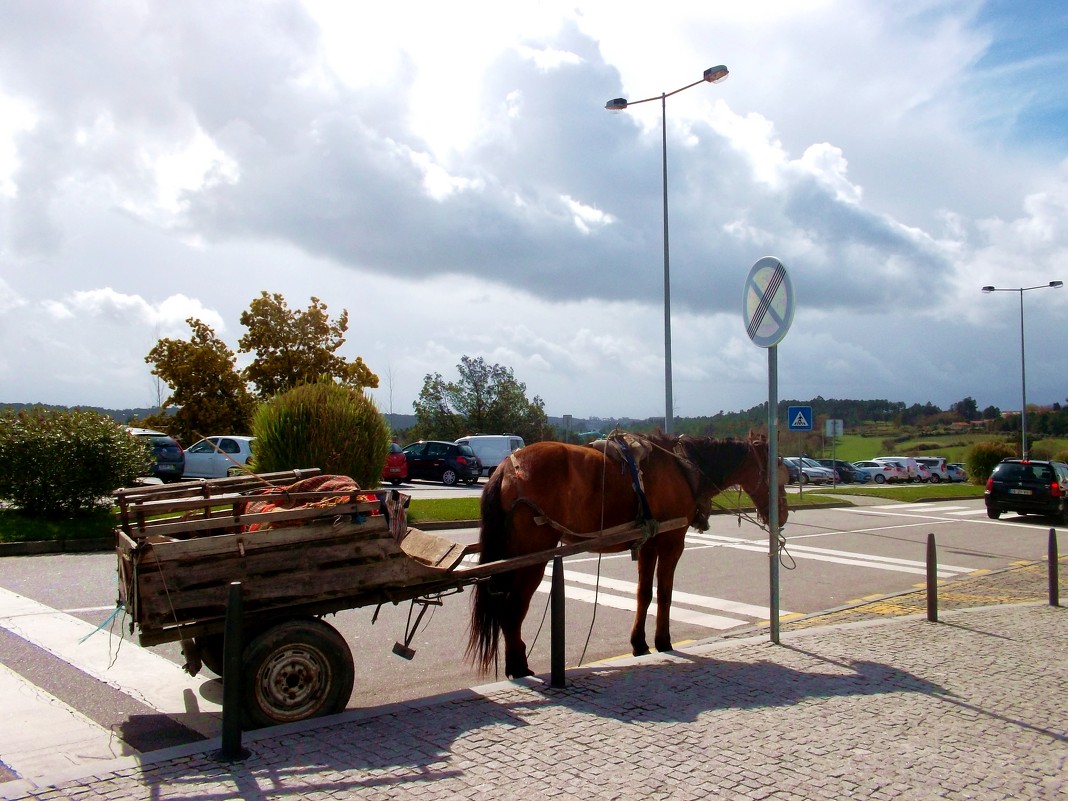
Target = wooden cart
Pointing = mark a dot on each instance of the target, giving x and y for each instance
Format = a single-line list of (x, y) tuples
[(180, 546)]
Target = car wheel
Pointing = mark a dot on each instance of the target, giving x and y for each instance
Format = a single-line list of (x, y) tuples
[(935, 479), (993, 514), (803, 479), (880, 479), (396, 482), (448, 478)]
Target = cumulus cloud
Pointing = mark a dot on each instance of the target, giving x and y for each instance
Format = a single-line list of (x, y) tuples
[(161, 162)]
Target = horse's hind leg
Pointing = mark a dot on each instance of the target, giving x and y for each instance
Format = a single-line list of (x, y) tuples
[(644, 596), (669, 549), (514, 608)]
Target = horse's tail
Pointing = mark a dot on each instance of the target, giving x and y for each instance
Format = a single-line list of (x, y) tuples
[(484, 628)]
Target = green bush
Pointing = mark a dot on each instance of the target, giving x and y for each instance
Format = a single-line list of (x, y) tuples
[(983, 457), (326, 425), (1061, 456), (65, 462)]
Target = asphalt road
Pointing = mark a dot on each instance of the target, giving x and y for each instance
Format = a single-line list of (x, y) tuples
[(50, 606)]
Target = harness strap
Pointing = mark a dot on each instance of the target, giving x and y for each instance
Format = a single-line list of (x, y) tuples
[(649, 525)]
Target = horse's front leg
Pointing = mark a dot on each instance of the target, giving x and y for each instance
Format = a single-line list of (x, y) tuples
[(644, 596), (669, 549), (525, 582)]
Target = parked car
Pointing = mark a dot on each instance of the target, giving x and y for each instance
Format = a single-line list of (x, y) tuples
[(792, 473), (446, 462), (912, 470), (938, 466), (218, 457), (847, 473), (395, 470), (492, 449), (956, 472), (882, 472), (1028, 487), (923, 472), (168, 460), (811, 471)]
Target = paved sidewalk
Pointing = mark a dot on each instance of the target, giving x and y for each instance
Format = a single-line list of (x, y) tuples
[(972, 707)]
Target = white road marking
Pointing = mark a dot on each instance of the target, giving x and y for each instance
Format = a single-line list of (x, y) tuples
[(836, 557), (42, 735), (677, 596), (678, 613), (124, 665)]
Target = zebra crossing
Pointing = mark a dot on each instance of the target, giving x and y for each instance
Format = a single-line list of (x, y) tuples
[(44, 735)]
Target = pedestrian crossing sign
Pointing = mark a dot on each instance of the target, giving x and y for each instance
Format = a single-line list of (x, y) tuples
[(799, 418)]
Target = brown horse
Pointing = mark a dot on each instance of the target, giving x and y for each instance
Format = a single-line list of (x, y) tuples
[(548, 491)]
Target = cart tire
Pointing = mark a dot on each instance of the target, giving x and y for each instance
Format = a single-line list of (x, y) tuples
[(296, 670), (210, 647)]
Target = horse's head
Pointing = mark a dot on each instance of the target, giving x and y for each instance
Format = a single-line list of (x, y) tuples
[(753, 478), (729, 462)]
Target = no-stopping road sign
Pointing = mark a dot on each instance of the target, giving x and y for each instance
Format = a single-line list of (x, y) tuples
[(769, 302)]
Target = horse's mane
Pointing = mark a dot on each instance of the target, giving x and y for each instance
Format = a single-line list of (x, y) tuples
[(717, 459)]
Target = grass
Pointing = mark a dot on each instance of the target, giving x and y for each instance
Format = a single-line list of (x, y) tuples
[(422, 510), (908, 493), (18, 527)]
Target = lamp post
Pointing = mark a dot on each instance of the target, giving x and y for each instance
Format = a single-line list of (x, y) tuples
[(1023, 362), (711, 75)]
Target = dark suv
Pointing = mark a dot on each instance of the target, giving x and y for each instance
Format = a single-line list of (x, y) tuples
[(446, 462), (168, 459), (1028, 487)]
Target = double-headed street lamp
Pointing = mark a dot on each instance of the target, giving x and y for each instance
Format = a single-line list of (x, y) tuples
[(1023, 362), (711, 75)]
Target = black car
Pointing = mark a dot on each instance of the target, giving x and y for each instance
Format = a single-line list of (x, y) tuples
[(168, 459), (446, 462), (1028, 487), (847, 473)]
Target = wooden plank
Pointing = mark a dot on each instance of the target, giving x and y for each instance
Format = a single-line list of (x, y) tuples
[(232, 544), (279, 518), (213, 486), (164, 603), (432, 550), (153, 508)]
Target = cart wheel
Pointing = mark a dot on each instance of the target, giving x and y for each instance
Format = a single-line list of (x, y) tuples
[(210, 647), (296, 670)]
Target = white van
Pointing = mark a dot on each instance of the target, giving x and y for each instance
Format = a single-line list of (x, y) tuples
[(492, 449)]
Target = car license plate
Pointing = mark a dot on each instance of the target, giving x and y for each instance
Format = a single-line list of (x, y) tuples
[(1019, 492)]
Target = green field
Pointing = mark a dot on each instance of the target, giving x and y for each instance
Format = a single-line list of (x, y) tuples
[(953, 447)]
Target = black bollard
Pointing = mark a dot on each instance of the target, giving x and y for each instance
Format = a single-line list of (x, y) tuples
[(1054, 565), (233, 638), (556, 629), (932, 580)]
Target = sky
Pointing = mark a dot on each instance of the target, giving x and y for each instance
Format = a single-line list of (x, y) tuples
[(448, 173)]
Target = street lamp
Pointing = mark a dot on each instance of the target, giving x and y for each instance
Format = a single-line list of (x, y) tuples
[(711, 75), (1023, 363)]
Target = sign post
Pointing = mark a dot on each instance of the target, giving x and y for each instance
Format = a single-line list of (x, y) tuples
[(833, 429), (768, 310)]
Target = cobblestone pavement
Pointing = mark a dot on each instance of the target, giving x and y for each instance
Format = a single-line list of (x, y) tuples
[(870, 702)]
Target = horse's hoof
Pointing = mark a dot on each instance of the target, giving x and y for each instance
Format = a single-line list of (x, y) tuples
[(643, 651), (520, 674), (665, 647)]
